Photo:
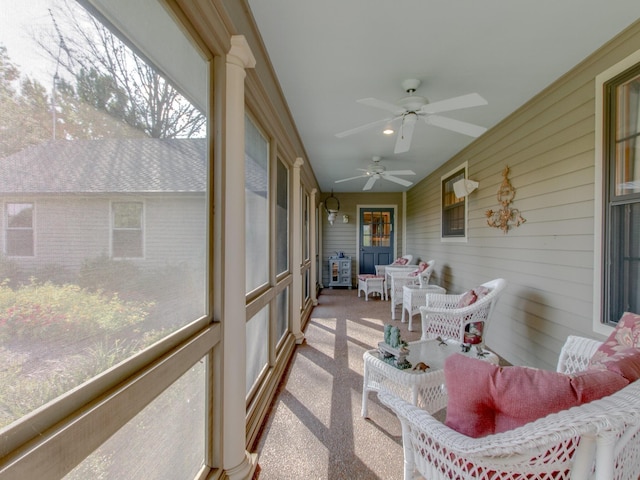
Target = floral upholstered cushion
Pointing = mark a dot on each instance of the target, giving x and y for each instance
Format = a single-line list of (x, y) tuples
[(400, 261), (485, 398), (366, 276), (472, 296), (622, 345), (422, 266)]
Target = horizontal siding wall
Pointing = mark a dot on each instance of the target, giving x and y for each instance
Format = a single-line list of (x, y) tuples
[(548, 261), (344, 236)]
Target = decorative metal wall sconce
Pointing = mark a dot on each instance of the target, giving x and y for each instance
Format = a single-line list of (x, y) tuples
[(507, 217), (333, 209)]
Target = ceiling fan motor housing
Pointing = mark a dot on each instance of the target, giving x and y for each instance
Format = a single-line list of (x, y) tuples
[(413, 103)]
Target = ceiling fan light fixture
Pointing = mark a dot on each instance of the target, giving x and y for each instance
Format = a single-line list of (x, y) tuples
[(388, 131)]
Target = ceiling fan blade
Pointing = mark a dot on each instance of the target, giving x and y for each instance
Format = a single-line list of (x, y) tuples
[(400, 172), (403, 140), (455, 103), (455, 125), (370, 182), (401, 181), (362, 128), (389, 107), (350, 178)]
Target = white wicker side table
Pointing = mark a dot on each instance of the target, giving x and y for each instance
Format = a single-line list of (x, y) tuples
[(422, 388)]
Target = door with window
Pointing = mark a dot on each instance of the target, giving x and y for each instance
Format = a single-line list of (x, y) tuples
[(376, 238)]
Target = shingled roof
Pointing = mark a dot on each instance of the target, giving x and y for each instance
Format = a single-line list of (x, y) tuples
[(146, 165)]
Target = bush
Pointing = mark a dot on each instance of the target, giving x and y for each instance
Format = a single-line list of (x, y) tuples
[(104, 273), (40, 310)]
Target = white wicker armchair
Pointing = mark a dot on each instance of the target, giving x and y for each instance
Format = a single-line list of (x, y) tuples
[(397, 279), (597, 440), (441, 316), (380, 269)]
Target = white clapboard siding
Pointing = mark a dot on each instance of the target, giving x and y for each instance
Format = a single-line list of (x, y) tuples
[(548, 262)]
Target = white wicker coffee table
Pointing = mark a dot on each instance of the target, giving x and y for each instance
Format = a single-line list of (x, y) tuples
[(422, 388)]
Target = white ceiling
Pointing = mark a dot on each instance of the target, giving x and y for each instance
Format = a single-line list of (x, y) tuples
[(329, 53)]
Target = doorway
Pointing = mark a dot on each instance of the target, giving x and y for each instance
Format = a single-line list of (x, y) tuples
[(376, 238)]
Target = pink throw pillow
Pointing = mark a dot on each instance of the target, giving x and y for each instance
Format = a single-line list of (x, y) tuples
[(467, 298), (620, 352), (485, 398), (623, 342), (422, 266), (472, 296), (628, 365), (400, 261)]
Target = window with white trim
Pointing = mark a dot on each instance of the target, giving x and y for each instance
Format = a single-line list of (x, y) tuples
[(127, 235), (19, 234), (454, 209), (621, 177)]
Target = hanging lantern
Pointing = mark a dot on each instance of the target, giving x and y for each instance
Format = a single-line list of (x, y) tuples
[(332, 207)]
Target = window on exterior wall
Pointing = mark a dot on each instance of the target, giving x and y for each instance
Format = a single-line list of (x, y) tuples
[(257, 206), (282, 314), (305, 226), (622, 196), (282, 218), (86, 125), (454, 209), (127, 235), (19, 234)]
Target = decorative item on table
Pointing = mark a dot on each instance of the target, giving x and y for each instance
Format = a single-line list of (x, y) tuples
[(394, 350), (421, 367), (473, 336)]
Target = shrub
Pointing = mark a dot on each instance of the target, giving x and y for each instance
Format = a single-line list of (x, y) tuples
[(39, 310)]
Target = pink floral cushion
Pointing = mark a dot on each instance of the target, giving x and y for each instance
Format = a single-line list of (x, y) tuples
[(622, 344), (485, 398), (467, 298), (472, 296), (366, 276), (422, 266), (400, 261)]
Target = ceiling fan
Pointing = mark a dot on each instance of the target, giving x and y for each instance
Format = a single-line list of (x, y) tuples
[(412, 107), (376, 171)]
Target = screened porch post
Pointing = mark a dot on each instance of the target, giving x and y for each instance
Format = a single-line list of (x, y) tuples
[(314, 249), (296, 253), (237, 463)]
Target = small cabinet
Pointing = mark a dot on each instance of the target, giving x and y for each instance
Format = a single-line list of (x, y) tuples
[(340, 272)]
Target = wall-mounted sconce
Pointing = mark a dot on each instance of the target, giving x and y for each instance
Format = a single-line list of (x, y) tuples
[(506, 217), (332, 207), (464, 187), (345, 218)]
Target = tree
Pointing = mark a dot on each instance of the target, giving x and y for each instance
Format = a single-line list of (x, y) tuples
[(24, 111), (110, 77)]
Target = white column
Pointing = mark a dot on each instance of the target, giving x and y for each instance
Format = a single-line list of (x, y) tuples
[(296, 253), (320, 234), (314, 248), (237, 463)]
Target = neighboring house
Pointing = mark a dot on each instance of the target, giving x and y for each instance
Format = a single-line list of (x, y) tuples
[(64, 202)]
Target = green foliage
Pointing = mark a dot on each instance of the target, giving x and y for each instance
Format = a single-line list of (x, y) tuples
[(104, 273), (9, 270), (39, 310)]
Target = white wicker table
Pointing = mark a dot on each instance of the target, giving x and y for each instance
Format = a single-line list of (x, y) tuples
[(424, 389)]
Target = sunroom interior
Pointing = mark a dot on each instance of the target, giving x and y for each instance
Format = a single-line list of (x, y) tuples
[(159, 270)]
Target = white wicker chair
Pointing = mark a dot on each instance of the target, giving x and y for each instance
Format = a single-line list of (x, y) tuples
[(414, 297), (396, 279), (441, 317), (380, 269), (597, 440)]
